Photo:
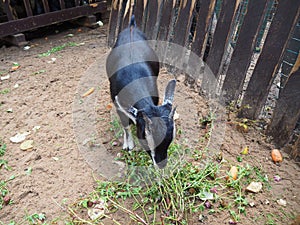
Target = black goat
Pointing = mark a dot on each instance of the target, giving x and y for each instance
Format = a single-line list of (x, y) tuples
[(132, 68)]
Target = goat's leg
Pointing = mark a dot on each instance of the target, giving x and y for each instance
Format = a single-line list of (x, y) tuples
[(128, 140)]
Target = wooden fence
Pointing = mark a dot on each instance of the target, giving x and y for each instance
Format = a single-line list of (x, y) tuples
[(17, 16), (246, 27)]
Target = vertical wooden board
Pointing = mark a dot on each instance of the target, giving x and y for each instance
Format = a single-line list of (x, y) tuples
[(113, 22), (165, 20), (222, 35), (46, 6), (183, 22), (127, 14), (243, 50), (287, 111), (203, 21), (62, 4), (151, 19), (122, 9), (7, 10), (139, 12), (285, 19), (28, 8)]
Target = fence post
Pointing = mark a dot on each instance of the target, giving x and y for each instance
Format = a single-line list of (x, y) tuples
[(221, 35), (183, 22), (203, 22), (150, 30), (243, 50), (113, 22), (287, 111), (165, 20), (138, 13), (270, 58)]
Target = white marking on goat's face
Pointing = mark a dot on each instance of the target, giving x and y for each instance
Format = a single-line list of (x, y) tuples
[(159, 135), (150, 142)]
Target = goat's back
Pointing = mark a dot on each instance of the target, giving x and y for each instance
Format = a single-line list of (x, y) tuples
[(133, 67)]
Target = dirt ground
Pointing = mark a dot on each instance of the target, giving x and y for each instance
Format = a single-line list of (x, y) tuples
[(39, 97)]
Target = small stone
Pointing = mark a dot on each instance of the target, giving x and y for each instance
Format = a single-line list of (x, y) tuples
[(281, 202), (5, 77), (254, 187), (26, 145), (252, 204)]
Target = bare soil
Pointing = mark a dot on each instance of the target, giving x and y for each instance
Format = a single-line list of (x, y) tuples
[(55, 173)]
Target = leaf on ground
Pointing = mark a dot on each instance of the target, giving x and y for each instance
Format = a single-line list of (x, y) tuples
[(276, 156), (26, 145), (109, 106), (98, 210), (89, 92), (19, 137), (245, 151)]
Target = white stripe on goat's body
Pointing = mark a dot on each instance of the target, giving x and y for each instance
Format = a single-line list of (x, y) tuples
[(121, 109)]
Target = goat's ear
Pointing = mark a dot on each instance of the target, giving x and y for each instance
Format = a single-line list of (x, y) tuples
[(171, 115), (148, 134), (169, 92), (147, 119), (130, 113)]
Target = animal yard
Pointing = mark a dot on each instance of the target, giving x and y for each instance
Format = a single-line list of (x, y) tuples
[(236, 66)]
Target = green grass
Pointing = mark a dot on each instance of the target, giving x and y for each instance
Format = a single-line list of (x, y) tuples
[(2, 148), (4, 91), (58, 48), (190, 185), (153, 196)]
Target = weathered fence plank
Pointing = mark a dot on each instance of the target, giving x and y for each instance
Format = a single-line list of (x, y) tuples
[(287, 111), (183, 22), (203, 21), (150, 30), (243, 50), (28, 8), (62, 4), (122, 10), (8, 12), (113, 22), (221, 35), (139, 13), (46, 6), (177, 55), (285, 19), (127, 14), (164, 25), (29, 23)]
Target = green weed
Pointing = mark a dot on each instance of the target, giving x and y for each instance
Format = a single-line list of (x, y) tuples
[(35, 218), (58, 48), (2, 148), (4, 91)]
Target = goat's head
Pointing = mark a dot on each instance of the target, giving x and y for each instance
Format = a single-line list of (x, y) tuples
[(155, 126)]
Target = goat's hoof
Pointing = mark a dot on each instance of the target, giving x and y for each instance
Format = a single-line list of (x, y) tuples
[(128, 148)]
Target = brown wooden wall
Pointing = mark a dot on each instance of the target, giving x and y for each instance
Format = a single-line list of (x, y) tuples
[(23, 15), (239, 26)]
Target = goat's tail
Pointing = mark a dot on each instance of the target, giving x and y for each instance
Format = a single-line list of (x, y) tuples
[(132, 21)]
